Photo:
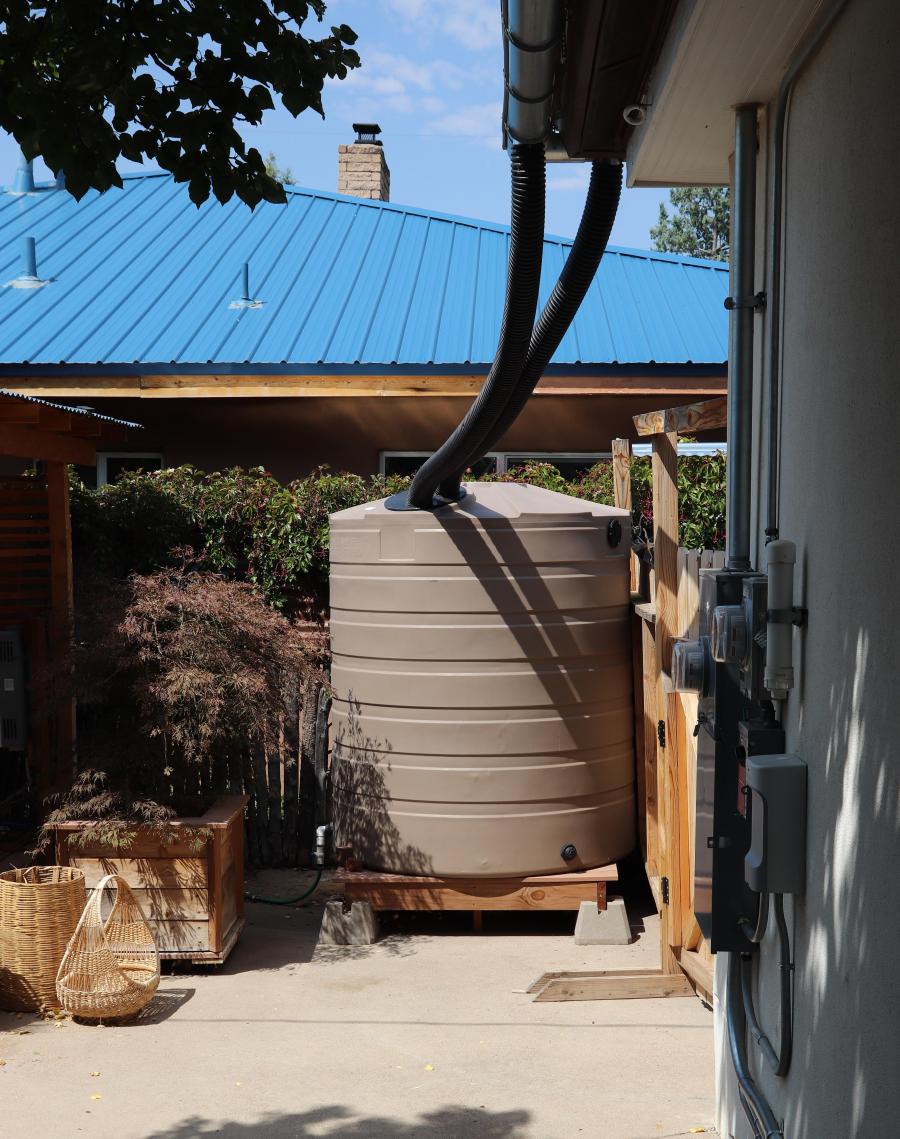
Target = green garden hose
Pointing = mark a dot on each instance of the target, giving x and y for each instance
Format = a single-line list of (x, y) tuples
[(287, 901)]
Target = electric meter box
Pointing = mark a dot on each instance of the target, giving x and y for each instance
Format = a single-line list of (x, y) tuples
[(776, 860)]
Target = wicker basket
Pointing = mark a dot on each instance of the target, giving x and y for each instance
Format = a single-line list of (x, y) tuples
[(39, 910), (111, 967)]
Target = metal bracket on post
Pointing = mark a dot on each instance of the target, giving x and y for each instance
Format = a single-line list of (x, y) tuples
[(756, 302), (796, 615)]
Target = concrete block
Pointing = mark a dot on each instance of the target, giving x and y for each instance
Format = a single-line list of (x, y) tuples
[(359, 926), (603, 927)]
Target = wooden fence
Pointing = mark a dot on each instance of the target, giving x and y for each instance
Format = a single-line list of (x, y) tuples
[(666, 750)]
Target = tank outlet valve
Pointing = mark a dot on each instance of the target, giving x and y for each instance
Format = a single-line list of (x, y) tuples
[(568, 852), (614, 532)]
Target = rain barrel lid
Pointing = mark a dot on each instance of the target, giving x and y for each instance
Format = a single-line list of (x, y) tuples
[(490, 500)]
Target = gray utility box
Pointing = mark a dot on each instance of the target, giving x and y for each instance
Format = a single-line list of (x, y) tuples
[(12, 691), (776, 860)]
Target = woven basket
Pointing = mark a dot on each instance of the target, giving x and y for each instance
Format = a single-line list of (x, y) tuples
[(111, 967), (39, 910)]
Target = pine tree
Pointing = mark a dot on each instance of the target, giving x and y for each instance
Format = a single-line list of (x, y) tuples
[(698, 225)]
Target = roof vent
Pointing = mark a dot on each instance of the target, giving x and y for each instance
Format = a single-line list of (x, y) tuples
[(28, 278), (368, 132), (245, 300), (24, 180)]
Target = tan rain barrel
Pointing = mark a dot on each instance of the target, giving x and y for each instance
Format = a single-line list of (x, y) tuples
[(482, 717)]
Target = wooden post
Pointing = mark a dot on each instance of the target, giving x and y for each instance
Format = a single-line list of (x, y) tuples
[(621, 468), (61, 610), (665, 543), (665, 563)]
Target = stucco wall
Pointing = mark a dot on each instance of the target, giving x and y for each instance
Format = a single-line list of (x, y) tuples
[(840, 478)]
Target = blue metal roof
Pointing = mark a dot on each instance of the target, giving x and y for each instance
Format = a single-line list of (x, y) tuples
[(141, 279)]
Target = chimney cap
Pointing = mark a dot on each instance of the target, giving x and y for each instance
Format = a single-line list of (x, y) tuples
[(368, 132)]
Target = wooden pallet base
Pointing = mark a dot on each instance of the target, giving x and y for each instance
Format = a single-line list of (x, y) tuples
[(534, 892), (610, 985)]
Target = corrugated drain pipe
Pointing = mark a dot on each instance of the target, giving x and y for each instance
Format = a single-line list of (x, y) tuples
[(532, 33)]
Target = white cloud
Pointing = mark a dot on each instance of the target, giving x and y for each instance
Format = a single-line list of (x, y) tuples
[(480, 122), (475, 24), (395, 82), (573, 181)]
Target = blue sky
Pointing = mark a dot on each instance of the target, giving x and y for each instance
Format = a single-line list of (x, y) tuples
[(432, 77)]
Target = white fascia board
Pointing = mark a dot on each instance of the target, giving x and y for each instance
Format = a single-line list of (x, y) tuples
[(717, 55)]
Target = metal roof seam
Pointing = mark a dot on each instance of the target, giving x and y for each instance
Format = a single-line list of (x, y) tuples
[(265, 276), (470, 350), (437, 327), (395, 359), (346, 301), (326, 274), (216, 233), (279, 305), (148, 271), (377, 305)]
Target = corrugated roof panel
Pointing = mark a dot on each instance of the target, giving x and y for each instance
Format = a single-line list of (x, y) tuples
[(454, 338), (424, 314), (140, 277), (489, 293), (360, 302), (385, 335)]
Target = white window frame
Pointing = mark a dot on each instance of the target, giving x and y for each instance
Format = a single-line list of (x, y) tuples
[(503, 457), (383, 456), (102, 456)]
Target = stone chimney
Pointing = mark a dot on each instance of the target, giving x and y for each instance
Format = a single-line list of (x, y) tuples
[(362, 169)]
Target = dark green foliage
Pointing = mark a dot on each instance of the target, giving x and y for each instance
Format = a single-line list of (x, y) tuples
[(242, 524), (699, 224), (701, 495), (83, 84), (247, 526)]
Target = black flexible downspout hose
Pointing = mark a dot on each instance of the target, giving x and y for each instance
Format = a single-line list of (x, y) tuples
[(559, 312), (523, 278)]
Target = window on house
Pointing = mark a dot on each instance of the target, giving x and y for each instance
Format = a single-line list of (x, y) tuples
[(408, 462), (111, 464), (569, 464)]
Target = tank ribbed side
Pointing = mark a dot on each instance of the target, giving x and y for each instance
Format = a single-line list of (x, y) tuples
[(483, 714)]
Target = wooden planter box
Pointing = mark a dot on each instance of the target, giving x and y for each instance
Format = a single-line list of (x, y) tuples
[(193, 899)]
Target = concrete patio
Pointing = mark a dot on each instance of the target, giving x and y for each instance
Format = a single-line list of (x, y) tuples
[(428, 1033)]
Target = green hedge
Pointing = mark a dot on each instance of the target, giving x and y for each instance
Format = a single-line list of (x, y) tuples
[(246, 525)]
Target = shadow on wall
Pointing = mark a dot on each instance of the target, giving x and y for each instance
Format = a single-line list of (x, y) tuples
[(850, 913), (337, 1122), (846, 989)]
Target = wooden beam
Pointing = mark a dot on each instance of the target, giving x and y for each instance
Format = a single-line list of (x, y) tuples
[(606, 987), (32, 443), (621, 470), (332, 386), (710, 415), (701, 972), (665, 564)]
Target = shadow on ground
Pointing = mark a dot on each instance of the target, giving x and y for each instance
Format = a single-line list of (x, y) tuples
[(337, 1122)]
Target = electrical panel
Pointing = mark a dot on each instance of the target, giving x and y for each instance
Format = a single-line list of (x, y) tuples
[(12, 691), (725, 666), (776, 860)]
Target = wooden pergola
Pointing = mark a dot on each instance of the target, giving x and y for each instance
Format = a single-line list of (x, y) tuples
[(36, 558)]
